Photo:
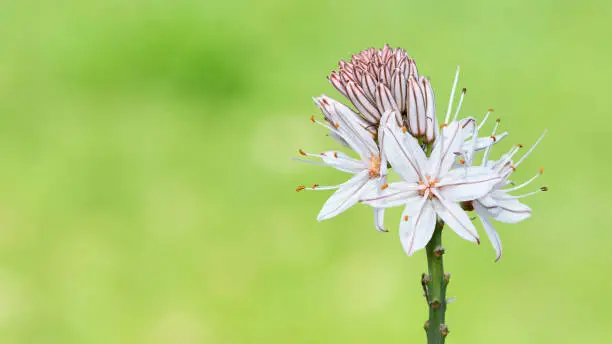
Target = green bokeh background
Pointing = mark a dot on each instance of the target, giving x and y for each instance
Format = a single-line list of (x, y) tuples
[(147, 192)]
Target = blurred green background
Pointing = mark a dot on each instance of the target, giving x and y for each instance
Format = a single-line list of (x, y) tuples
[(147, 193)]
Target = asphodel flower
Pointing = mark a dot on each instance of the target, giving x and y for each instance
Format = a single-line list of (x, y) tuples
[(369, 171), (429, 186), (377, 81)]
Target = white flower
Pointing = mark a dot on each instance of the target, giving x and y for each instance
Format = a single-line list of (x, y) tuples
[(498, 204), (429, 186), (369, 171)]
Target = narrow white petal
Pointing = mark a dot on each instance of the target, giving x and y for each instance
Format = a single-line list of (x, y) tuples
[(394, 195), (416, 232), (446, 145), (456, 187), (511, 210), (343, 162), (379, 220), (398, 150), (491, 232), (346, 196), (456, 219)]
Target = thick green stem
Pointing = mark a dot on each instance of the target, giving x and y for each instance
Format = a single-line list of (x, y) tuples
[(436, 283)]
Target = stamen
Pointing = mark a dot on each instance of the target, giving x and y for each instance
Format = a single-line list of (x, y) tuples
[(485, 118), (300, 188), (463, 91), (485, 158), (452, 96), (531, 149), (525, 183), (542, 189)]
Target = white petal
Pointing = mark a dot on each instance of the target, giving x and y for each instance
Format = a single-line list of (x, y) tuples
[(342, 162), (404, 153), (456, 188), (394, 195), (456, 219), (379, 219), (417, 231), (346, 196), (483, 142), (491, 232), (511, 210), (447, 144)]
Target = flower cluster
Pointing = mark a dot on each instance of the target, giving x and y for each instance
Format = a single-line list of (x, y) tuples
[(395, 126)]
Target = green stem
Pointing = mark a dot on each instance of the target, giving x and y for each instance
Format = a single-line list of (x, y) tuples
[(436, 284)]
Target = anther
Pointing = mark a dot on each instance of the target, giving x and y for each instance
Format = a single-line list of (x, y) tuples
[(462, 162), (444, 330), (312, 119), (491, 110), (405, 218), (384, 186), (336, 125), (404, 129), (439, 251), (426, 326), (314, 186), (544, 188), (443, 125), (300, 188), (302, 152), (541, 170), (464, 90), (493, 137), (335, 154), (520, 145), (498, 120)]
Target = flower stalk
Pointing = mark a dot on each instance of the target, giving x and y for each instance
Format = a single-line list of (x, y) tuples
[(437, 282)]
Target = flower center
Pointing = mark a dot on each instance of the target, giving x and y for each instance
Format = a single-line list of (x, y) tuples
[(427, 184), (374, 166)]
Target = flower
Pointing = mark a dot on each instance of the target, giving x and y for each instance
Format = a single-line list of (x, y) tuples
[(377, 81), (498, 204), (429, 186), (369, 171)]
